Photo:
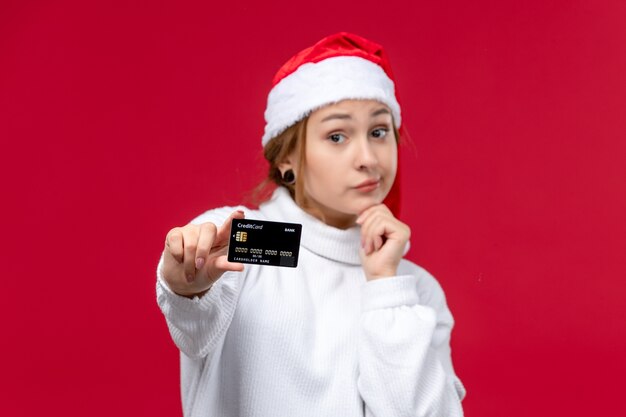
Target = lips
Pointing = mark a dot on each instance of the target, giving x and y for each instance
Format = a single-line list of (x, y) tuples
[(368, 185)]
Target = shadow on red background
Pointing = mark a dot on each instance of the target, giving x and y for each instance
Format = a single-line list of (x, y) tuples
[(119, 122)]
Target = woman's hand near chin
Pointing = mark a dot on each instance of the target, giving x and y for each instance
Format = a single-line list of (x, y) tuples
[(383, 239)]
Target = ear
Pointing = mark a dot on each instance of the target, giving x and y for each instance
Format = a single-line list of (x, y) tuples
[(287, 165)]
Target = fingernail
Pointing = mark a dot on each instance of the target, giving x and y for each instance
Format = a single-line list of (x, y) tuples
[(199, 263), (189, 278)]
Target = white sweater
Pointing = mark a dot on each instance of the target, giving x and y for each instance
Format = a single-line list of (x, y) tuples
[(316, 340)]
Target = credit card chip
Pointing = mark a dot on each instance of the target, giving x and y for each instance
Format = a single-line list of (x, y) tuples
[(241, 236)]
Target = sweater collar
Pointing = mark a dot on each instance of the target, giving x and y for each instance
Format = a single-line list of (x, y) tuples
[(318, 237)]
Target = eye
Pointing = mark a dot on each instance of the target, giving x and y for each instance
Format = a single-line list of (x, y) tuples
[(336, 138), (380, 132)]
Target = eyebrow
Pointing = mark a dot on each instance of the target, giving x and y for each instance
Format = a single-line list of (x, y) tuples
[(347, 116)]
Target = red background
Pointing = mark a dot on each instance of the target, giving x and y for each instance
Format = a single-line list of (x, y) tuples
[(120, 121)]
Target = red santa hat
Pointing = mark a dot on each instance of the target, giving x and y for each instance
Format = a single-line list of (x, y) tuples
[(339, 67)]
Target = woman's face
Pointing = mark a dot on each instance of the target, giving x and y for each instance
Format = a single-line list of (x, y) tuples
[(351, 159)]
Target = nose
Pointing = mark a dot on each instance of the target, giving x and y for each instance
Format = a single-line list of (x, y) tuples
[(365, 157)]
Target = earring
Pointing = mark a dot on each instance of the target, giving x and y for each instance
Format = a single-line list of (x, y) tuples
[(289, 178)]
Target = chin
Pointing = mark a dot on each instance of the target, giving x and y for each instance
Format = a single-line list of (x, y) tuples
[(359, 207)]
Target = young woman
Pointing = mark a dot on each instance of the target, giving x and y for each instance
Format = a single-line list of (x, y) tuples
[(355, 329)]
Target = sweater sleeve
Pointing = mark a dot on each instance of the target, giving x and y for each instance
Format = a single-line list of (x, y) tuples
[(197, 325), (405, 367)]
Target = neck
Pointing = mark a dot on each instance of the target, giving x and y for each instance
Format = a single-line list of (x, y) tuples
[(329, 216)]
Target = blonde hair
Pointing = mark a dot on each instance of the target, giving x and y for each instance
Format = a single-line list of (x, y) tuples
[(276, 151)]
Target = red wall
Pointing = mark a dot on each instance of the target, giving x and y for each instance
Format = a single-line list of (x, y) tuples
[(119, 122)]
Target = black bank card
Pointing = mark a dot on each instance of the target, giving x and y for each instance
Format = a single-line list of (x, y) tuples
[(264, 243)]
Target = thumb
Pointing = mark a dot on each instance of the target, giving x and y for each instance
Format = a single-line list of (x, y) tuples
[(222, 237)]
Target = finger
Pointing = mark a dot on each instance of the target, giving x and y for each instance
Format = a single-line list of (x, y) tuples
[(205, 241), (369, 244), (367, 213), (365, 237), (368, 225), (174, 244), (224, 230), (366, 246), (362, 218), (373, 244), (190, 244), (377, 243), (374, 232), (389, 230)]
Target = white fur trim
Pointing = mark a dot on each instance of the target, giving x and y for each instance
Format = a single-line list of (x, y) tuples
[(314, 85)]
